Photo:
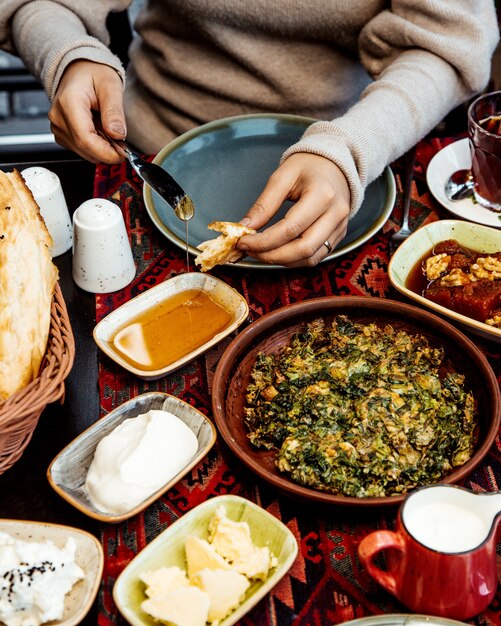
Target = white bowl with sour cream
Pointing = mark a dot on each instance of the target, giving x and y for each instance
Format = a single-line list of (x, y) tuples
[(130, 457)]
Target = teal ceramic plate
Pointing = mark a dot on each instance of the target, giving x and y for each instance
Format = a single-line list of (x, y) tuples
[(168, 550), (224, 166)]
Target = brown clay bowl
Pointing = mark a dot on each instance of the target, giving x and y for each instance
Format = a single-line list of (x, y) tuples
[(271, 332)]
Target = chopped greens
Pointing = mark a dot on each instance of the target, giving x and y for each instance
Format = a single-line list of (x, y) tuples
[(360, 409)]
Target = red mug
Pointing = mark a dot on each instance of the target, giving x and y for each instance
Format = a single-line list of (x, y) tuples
[(441, 558)]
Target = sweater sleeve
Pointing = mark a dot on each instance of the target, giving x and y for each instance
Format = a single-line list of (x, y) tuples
[(426, 57), (49, 34)]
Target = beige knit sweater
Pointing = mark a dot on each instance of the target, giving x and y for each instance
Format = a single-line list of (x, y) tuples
[(380, 74)]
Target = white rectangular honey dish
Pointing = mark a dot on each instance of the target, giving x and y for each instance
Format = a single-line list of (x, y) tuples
[(170, 324)]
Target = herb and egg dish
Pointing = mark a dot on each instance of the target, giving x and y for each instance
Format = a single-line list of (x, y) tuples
[(360, 410)]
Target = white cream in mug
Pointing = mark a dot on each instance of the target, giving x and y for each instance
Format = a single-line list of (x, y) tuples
[(34, 578), (137, 458), (446, 527)]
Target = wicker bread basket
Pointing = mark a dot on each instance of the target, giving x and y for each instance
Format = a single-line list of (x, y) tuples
[(19, 414)]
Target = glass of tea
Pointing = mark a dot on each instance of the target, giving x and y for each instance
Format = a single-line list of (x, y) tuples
[(484, 127)]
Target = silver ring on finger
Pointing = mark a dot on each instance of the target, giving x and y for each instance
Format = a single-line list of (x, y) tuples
[(328, 245)]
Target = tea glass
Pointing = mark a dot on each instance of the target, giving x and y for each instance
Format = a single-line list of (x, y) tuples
[(441, 558), (484, 127), (102, 256)]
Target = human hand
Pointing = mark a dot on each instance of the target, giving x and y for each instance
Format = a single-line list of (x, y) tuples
[(88, 87), (320, 213)]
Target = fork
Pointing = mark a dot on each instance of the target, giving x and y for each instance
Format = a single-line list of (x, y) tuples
[(404, 231)]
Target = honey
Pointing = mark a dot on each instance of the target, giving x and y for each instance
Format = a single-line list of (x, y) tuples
[(170, 330)]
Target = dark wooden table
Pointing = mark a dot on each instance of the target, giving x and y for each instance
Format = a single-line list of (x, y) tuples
[(25, 493)]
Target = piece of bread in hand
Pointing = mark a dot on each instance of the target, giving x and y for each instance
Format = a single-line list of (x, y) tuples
[(27, 282), (223, 249)]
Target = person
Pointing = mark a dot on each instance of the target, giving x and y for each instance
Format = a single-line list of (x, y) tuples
[(377, 74)]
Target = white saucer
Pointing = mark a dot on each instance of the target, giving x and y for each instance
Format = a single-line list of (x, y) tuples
[(453, 157)]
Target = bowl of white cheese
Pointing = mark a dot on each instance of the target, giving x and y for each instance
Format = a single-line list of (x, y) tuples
[(51, 573), (131, 456)]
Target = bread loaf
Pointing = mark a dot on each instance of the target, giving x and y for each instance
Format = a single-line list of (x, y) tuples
[(222, 249), (27, 282)]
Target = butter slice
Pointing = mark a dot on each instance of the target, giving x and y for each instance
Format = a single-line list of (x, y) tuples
[(186, 606), (256, 564), (225, 588), (232, 540), (201, 555), (163, 580)]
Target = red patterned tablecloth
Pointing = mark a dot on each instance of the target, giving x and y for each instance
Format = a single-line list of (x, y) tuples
[(326, 584)]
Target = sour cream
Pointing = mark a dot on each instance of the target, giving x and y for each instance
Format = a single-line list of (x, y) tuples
[(137, 458), (34, 578)]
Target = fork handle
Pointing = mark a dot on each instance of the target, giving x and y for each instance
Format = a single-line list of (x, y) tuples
[(408, 175)]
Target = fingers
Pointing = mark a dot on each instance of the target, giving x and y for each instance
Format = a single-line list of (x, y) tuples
[(271, 199), (319, 215), (309, 247), (77, 132), (293, 232), (86, 87), (111, 109)]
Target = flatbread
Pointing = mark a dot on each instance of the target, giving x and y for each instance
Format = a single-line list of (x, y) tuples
[(27, 282), (223, 248)]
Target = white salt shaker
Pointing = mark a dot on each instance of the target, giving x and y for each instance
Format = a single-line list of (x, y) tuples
[(102, 256), (48, 193)]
